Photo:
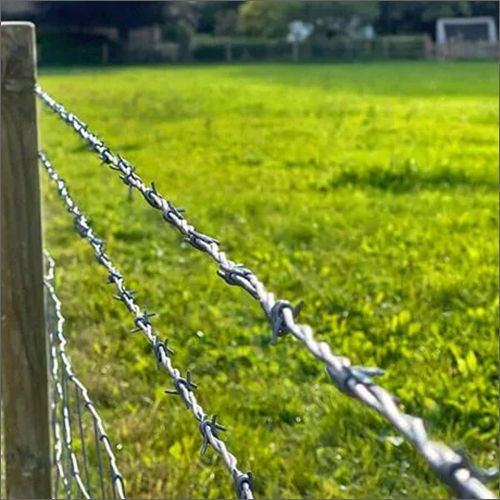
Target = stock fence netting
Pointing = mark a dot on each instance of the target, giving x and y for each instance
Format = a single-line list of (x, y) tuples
[(452, 467), (63, 407)]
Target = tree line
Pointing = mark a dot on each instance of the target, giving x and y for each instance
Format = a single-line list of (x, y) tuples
[(269, 19)]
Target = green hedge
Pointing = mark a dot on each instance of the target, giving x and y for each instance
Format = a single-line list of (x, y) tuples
[(67, 49)]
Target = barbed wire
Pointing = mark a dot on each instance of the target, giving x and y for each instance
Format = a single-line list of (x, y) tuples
[(183, 386), (57, 345), (356, 381)]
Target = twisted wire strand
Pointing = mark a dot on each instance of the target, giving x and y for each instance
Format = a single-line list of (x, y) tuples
[(55, 398), (117, 478), (60, 395), (183, 386), (452, 468)]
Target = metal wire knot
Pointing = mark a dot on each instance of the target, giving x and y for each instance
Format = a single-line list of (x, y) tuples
[(187, 383), (240, 480), (277, 320), (211, 425)]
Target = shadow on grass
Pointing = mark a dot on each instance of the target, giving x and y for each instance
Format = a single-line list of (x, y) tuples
[(421, 78), (384, 78), (407, 179)]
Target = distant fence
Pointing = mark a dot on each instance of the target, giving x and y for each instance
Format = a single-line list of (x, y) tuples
[(92, 49), (462, 49), (45, 443), (336, 49)]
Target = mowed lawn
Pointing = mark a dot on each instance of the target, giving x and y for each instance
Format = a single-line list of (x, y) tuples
[(370, 191)]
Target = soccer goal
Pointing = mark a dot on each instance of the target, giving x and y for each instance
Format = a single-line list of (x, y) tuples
[(466, 38)]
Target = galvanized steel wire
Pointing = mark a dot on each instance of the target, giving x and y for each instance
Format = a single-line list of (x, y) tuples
[(61, 375), (453, 468), (183, 386)]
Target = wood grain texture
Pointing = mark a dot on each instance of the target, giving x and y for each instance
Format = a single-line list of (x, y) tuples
[(24, 346)]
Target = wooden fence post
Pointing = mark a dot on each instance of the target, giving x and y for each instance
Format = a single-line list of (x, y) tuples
[(24, 346)]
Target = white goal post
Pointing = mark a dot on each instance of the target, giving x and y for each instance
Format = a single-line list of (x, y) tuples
[(472, 29)]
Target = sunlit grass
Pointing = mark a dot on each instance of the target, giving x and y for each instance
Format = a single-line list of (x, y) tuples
[(369, 191)]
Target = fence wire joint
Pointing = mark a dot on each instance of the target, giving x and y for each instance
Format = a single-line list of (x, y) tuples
[(182, 382), (277, 320), (240, 480), (214, 427), (166, 349)]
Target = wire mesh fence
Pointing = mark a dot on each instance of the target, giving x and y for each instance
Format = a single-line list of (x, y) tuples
[(84, 462)]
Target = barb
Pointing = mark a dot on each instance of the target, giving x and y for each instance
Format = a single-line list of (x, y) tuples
[(356, 382), (69, 375), (184, 387)]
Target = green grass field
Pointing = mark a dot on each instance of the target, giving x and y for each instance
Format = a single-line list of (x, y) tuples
[(368, 190)]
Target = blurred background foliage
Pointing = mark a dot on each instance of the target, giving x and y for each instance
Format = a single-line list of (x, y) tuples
[(229, 30)]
